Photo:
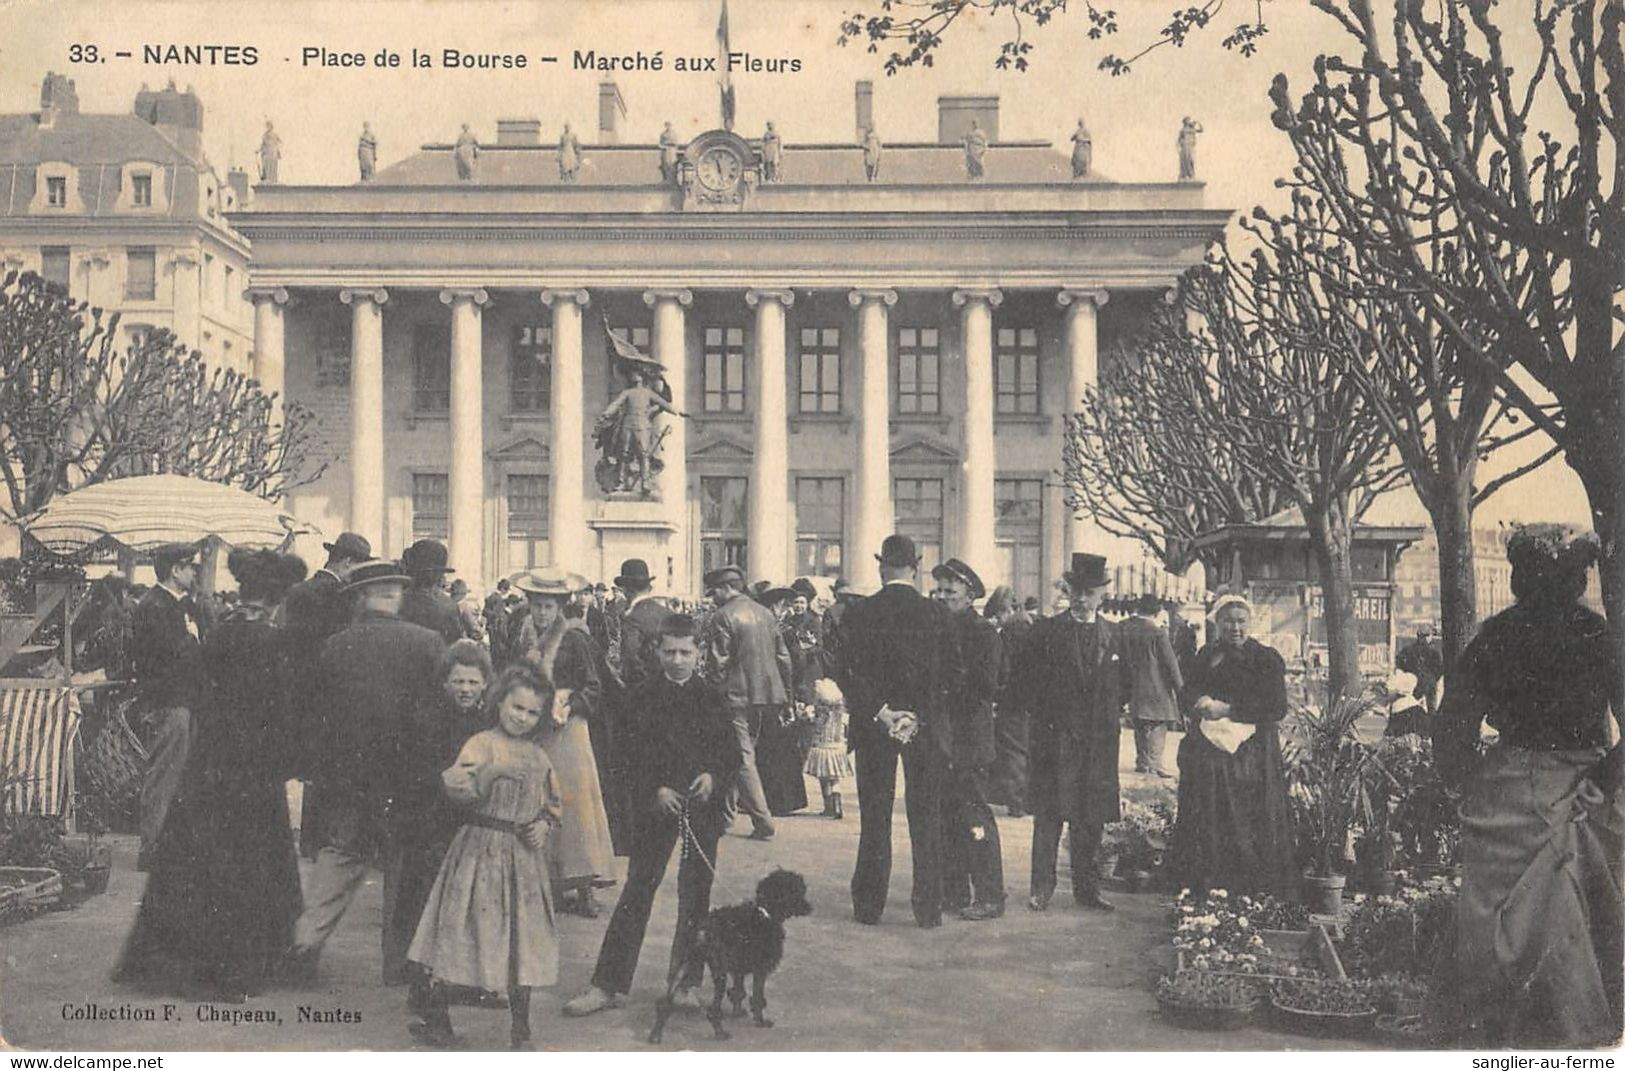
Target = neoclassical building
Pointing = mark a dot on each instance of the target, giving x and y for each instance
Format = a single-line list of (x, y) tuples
[(854, 356)]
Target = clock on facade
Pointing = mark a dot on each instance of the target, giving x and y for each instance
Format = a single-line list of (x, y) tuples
[(719, 168)]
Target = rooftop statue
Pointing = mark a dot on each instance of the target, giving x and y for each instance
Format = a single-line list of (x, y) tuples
[(871, 154), (1187, 148), (270, 154), (626, 434), (569, 155), (465, 153), (366, 152), (772, 155), (1082, 151), (668, 155), (975, 142)]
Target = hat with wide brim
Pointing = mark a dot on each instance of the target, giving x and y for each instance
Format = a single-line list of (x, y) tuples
[(1088, 571), (805, 588), (954, 569), (349, 546), (724, 575), (773, 595), (548, 580), (376, 572)]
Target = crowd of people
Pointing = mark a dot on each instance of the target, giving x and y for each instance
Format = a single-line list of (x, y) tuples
[(494, 757)]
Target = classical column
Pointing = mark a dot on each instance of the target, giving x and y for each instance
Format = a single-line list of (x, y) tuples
[(976, 542), (873, 522), (769, 532), (367, 412), (671, 350), (567, 523), (1083, 368), (465, 541), (268, 347)]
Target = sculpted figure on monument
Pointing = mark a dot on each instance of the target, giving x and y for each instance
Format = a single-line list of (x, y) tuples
[(270, 154), (975, 149), (772, 155), (668, 155), (1187, 147), (465, 153), (626, 434), (366, 152), (569, 155), (1082, 151), (871, 154)]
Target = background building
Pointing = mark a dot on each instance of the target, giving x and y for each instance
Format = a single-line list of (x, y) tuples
[(128, 214)]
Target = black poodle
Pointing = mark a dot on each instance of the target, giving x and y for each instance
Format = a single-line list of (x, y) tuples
[(734, 941)]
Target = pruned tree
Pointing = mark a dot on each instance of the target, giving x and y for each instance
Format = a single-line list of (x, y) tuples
[(76, 410)]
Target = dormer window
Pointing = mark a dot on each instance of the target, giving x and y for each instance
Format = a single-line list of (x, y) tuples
[(141, 190), (56, 191)]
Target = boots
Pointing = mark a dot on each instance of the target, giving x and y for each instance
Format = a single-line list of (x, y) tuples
[(829, 801), (835, 805)]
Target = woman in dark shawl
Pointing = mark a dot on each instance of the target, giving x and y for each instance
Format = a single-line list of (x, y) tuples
[(1537, 951), (1233, 831), (220, 903)]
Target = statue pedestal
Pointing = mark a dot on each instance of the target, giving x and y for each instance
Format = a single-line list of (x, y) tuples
[(636, 528)]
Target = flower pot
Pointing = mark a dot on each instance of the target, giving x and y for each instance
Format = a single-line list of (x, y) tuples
[(1380, 882), (97, 876), (1324, 894)]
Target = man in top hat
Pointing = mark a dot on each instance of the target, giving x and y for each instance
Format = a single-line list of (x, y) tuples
[(170, 679), (640, 625), (745, 655), (1072, 681), (1154, 683), (426, 602), (897, 665), (375, 677), (973, 858)]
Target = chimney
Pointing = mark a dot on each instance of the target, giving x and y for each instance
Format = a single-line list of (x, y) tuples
[(237, 179), (178, 116), (955, 115), (57, 97), (864, 102), (519, 132), (611, 110)]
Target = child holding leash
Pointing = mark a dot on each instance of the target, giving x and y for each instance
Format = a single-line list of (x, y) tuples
[(685, 754)]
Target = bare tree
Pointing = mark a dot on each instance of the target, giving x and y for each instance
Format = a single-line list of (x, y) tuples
[(75, 410)]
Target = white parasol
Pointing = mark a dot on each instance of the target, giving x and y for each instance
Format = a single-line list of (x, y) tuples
[(142, 513)]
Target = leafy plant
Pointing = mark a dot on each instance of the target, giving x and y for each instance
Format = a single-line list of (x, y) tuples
[(1403, 934), (1333, 777), (1323, 996), (1391, 992), (1203, 989)]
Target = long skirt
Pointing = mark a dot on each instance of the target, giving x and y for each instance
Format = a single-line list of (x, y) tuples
[(779, 762), (1233, 831), (580, 852), (1537, 956)]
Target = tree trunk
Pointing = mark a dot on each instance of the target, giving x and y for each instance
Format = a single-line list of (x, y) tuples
[(1452, 514), (1331, 538), (1607, 498)]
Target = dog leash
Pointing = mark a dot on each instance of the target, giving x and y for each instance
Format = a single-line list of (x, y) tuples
[(691, 841)]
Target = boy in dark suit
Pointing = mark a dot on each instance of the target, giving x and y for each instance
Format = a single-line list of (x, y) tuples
[(685, 753)]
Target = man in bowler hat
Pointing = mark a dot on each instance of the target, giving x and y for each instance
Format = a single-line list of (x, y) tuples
[(427, 603), (640, 624), (1072, 680), (897, 654)]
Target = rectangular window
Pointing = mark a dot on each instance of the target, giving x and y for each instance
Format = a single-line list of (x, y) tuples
[(723, 512), (141, 190), (1018, 531), (820, 525), (919, 516), (918, 366), (54, 265), (141, 273), (56, 191), (530, 369), (1015, 370), (528, 505), (820, 370), (724, 369), (431, 498), (431, 368), (332, 352)]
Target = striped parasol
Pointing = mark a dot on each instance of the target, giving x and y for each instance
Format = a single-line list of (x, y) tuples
[(143, 513)]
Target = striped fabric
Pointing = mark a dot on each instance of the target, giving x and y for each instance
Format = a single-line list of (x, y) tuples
[(38, 723)]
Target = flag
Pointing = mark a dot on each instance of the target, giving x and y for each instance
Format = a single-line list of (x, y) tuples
[(724, 77)]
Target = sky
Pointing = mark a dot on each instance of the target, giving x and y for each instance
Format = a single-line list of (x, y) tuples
[(318, 111)]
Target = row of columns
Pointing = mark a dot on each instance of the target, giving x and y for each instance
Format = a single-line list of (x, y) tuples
[(768, 532)]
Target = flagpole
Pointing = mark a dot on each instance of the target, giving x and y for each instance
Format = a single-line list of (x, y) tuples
[(724, 76)]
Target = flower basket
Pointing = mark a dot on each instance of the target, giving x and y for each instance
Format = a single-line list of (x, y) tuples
[(24, 886), (1206, 1016), (1323, 1009), (1207, 1000)]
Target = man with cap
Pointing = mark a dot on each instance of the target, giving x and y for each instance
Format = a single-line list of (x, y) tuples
[(1071, 679), (745, 655), (844, 597), (426, 602), (1154, 683), (973, 858), (897, 666), (170, 679), (376, 678)]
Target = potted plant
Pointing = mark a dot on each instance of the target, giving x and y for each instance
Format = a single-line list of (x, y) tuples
[(1323, 1006), (1201, 1000), (1375, 854), (1330, 775), (1399, 995)]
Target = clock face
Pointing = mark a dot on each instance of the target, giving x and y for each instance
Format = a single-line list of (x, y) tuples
[(718, 169)]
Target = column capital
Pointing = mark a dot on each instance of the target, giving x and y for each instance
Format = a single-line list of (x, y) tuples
[(576, 294), (1079, 296), (783, 295), (375, 294), (990, 294), (475, 294), (858, 296), (668, 293), (258, 294)]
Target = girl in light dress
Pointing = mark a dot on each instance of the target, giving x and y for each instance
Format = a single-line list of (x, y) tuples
[(828, 759), (489, 921)]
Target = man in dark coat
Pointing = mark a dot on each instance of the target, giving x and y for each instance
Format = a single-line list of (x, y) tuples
[(1009, 776), (170, 680), (376, 677), (973, 859), (831, 627), (639, 660), (1422, 658), (426, 602), (1154, 683), (640, 625), (316, 610), (897, 654), (1072, 682)]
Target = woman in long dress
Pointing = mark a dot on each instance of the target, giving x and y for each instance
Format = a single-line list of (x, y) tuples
[(1537, 951), (1233, 830), (219, 906), (581, 856), (488, 923)]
